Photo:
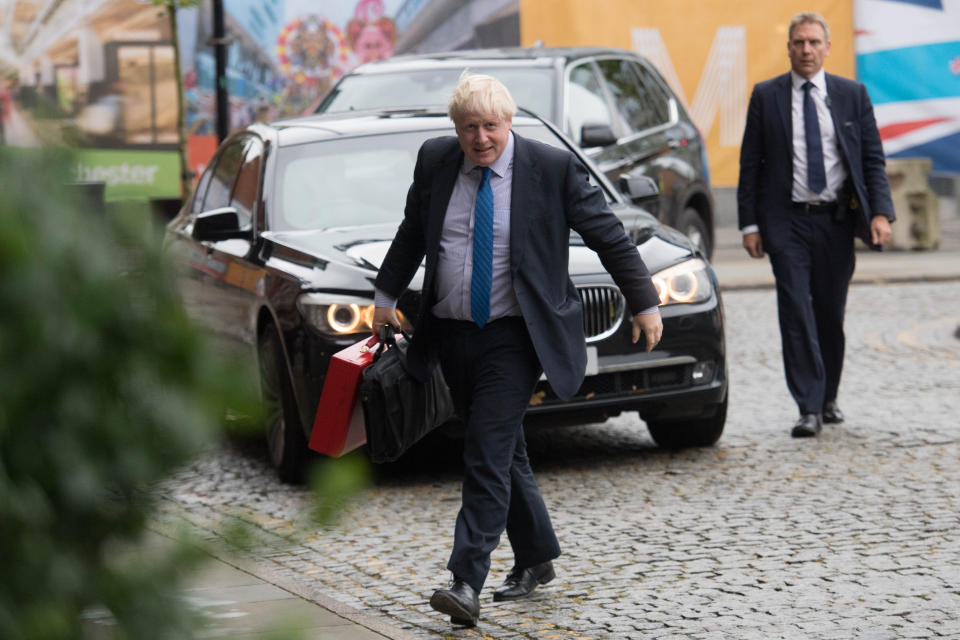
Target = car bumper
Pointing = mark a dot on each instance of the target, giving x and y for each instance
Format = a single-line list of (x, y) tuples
[(684, 377)]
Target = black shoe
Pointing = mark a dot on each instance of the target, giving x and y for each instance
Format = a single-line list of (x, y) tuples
[(807, 426), (460, 602), (831, 413), (521, 582)]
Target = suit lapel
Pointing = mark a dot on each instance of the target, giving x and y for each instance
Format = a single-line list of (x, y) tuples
[(836, 104), (526, 180), (441, 188), (785, 107)]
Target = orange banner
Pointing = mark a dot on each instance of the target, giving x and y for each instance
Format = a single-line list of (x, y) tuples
[(710, 52)]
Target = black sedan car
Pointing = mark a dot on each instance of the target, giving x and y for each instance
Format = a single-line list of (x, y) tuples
[(611, 102), (281, 241)]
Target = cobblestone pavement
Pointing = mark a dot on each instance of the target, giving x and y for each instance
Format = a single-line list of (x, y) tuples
[(855, 534)]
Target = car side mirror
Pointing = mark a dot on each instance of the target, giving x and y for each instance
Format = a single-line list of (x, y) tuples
[(639, 187), (219, 224), (596, 135)]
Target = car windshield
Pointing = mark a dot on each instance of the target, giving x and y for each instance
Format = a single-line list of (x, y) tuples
[(531, 88), (356, 181)]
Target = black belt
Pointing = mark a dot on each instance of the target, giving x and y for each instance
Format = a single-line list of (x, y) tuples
[(815, 207), (453, 326)]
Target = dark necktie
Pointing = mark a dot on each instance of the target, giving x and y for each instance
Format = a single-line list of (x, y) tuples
[(816, 175), (482, 252)]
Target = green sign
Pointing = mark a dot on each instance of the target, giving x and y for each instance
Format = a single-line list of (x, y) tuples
[(130, 175)]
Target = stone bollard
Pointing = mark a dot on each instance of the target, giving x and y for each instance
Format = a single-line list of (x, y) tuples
[(914, 203)]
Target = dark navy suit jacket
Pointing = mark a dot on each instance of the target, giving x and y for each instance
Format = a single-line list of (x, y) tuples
[(766, 158), (550, 195)]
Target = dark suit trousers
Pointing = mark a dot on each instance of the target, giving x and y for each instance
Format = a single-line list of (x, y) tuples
[(813, 268), (492, 372)]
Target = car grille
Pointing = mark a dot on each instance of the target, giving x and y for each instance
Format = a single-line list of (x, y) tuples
[(621, 383), (603, 307)]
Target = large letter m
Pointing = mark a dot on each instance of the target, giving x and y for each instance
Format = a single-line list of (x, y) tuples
[(723, 82)]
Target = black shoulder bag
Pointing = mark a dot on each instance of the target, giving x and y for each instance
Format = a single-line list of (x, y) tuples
[(398, 409)]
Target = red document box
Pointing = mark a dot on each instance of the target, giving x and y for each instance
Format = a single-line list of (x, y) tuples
[(338, 426)]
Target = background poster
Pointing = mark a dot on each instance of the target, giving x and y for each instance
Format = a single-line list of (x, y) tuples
[(710, 53), (913, 76), (100, 75), (283, 55)]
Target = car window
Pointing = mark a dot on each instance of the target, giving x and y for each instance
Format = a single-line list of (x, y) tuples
[(531, 87), (586, 102), (654, 96), (356, 181), (623, 85), (641, 106), (224, 174), (348, 182), (245, 190), (201, 189)]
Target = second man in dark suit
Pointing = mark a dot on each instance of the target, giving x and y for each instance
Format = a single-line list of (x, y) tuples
[(492, 214), (812, 176)]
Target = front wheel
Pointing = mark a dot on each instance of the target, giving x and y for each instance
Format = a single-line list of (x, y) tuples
[(695, 228), (683, 434), (286, 443)]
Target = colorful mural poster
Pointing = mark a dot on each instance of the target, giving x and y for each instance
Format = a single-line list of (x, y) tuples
[(99, 75), (908, 55), (283, 57)]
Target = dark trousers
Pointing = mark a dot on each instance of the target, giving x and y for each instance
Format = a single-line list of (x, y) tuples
[(813, 268), (492, 372)]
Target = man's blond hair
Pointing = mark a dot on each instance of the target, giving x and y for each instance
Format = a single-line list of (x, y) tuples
[(809, 17), (480, 95)]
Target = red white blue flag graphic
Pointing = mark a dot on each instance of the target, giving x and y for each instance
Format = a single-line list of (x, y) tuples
[(908, 55)]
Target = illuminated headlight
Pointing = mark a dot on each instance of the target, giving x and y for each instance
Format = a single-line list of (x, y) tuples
[(338, 314), (684, 283)]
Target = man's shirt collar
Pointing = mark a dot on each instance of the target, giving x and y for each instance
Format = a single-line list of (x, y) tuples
[(819, 80)]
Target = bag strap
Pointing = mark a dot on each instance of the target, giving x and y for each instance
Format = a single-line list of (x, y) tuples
[(388, 338)]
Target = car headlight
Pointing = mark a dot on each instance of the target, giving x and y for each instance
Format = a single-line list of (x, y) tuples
[(684, 283), (337, 314)]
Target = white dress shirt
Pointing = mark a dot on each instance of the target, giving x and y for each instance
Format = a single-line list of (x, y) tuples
[(455, 260), (832, 162)]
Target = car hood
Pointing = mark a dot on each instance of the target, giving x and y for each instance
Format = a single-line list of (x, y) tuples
[(348, 258)]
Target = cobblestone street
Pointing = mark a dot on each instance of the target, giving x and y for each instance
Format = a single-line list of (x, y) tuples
[(855, 534)]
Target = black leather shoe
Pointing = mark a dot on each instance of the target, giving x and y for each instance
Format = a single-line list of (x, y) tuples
[(460, 602), (521, 582), (807, 426), (831, 413)]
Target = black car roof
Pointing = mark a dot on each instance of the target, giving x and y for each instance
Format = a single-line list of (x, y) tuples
[(523, 56)]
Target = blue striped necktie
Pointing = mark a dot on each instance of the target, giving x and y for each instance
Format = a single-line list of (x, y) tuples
[(816, 175), (482, 252)]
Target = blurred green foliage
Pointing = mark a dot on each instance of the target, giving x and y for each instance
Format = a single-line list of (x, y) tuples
[(335, 483), (105, 387)]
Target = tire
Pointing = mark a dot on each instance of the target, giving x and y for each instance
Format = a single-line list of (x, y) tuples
[(694, 227), (684, 434), (286, 444)]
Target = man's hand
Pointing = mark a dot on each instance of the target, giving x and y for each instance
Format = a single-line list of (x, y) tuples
[(880, 232), (383, 316), (753, 244), (650, 325)]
